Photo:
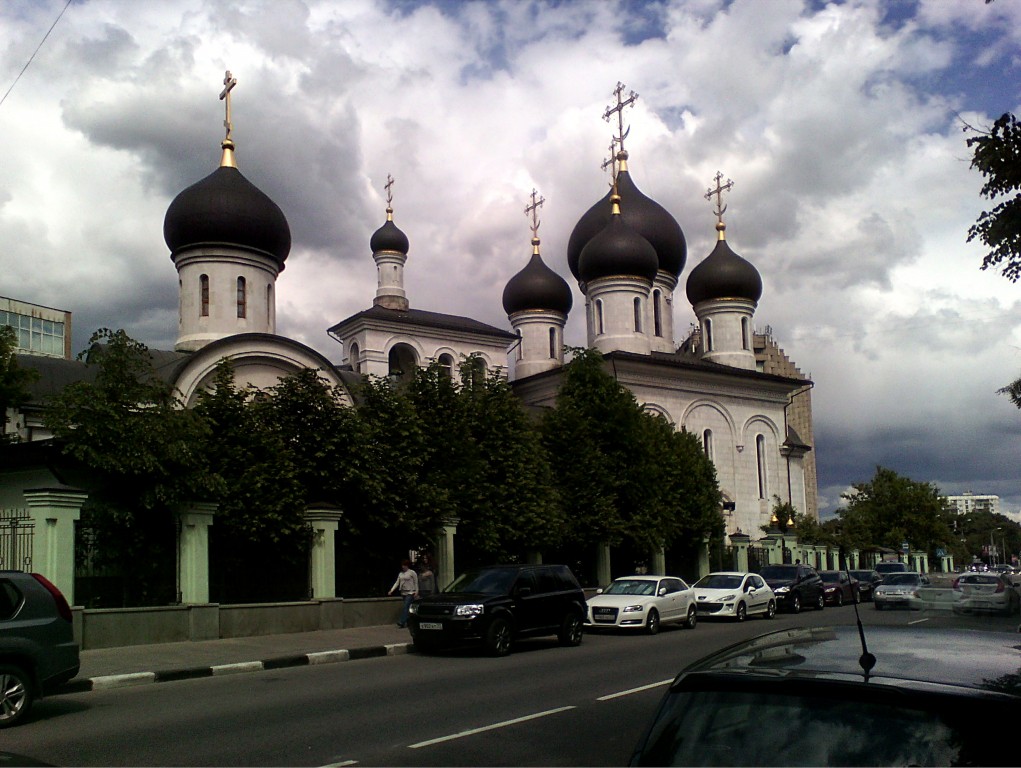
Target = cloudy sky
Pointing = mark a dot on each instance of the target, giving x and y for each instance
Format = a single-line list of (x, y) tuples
[(839, 123)]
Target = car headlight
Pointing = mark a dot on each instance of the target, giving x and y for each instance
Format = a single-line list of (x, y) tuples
[(470, 611), (633, 608), (831, 589), (413, 608), (782, 590), (727, 598)]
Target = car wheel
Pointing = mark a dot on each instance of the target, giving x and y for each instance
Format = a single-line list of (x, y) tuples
[(498, 637), (742, 612), (570, 630), (820, 602), (795, 604), (16, 695), (652, 623), (840, 599), (692, 618), (770, 609)]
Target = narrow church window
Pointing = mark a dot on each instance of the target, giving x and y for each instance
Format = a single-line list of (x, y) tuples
[(242, 299), (553, 343), (269, 304), (760, 460), (746, 337), (353, 358), (447, 365), (708, 334), (521, 343), (599, 317), (204, 294), (707, 443), (638, 315), (657, 313)]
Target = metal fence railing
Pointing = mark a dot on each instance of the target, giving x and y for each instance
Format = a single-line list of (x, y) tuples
[(17, 531)]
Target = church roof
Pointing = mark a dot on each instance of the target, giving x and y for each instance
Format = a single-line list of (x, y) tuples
[(420, 318), (537, 287), (724, 275)]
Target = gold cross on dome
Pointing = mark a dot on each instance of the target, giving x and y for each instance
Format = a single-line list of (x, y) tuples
[(611, 161), (228, 84), (533, 211), (389, 189), (718, 194), (619, 109)]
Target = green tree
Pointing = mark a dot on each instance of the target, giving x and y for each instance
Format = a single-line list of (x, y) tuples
[(997, 156), (14, 381)]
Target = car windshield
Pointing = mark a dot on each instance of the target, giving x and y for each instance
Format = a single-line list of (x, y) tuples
[(901, 578), (496, 581), (830, 577), (862, 575), (631, 587), (719, 581), (779, 572)]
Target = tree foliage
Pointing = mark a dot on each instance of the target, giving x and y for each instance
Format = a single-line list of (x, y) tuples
[(14, 380), (997, 156)]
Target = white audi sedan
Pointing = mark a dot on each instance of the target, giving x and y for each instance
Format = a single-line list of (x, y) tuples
[(734, 595), (642, 602)]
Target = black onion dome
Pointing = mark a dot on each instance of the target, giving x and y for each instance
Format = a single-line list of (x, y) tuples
[(643, 214), (226, 208), (389, 238), (618, 250), (537, 287), (724, 275)]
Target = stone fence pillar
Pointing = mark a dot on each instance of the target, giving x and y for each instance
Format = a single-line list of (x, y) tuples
[(740, 541), (324, 519), (445, 572), (603, 565), (193, 552), (659, 561), (54, 512)]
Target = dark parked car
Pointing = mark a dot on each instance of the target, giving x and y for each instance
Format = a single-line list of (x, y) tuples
[(796, 586), (37, 648), (496, 605), (839, 587), (867, 583), (810, 696)]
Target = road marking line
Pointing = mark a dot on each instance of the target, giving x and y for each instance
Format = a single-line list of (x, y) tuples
[(341, 764), (916, 621), (492, 727), (609, 696)]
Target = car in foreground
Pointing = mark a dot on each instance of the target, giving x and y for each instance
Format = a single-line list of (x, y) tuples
[(839, 587), (795, 585), (868, 580), (734, 595), (900, 590), (980, 592), (814, 696), (643, 602), (497, 605), (38, 653)]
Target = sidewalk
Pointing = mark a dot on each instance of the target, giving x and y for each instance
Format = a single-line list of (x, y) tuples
[(105, 668)]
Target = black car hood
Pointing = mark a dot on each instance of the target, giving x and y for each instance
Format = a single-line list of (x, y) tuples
[(459, 597)]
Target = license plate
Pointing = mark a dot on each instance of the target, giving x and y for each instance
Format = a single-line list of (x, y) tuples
[(429, 625)]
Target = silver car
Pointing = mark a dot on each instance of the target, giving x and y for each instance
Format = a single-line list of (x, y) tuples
[(985, 592), (900, 590)]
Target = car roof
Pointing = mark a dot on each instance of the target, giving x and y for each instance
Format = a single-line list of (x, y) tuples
[(728, 573), (905, 656), (645, 577)]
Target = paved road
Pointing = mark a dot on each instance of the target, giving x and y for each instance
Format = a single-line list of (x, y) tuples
[(543, 705)]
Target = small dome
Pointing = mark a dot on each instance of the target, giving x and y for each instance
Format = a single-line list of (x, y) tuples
[(226, 208), (389, 238), (537, 287), (647, 217), (724, 275), (618, 250)]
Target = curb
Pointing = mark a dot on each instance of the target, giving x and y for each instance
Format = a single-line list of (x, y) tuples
[(109, 682)]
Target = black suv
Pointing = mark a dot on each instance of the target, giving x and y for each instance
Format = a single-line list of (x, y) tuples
[(795, 586), (497, 604), (37, 648)]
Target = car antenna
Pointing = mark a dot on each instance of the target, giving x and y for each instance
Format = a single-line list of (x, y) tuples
[(866, 661)]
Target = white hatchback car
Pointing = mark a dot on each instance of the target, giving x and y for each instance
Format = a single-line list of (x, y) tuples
[(735, 595), (643, 602)]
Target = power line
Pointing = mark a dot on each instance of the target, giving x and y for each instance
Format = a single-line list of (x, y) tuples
[(2, 100)]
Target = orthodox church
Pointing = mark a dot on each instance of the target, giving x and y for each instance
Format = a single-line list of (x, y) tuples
[(732, 387)]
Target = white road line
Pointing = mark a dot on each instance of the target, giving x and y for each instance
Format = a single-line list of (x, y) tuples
[(628, 692), (916, 621), (492, 727), (341, 764)]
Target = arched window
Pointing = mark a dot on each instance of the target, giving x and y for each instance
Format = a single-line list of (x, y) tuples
[(553, 343), (657, 313), (352, 358), (707, 341), (760, 463), (402, 362), (447, 365), (520, 345), (638, 315), (707, 443), (746, 334), (599, 317), (269, 304), (242, 298), (204, 295)]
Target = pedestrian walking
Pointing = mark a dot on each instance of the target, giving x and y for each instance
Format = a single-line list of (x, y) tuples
[(406, 586), (426, 575)]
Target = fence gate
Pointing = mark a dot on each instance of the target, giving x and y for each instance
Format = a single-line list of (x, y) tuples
[(16, 535)]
